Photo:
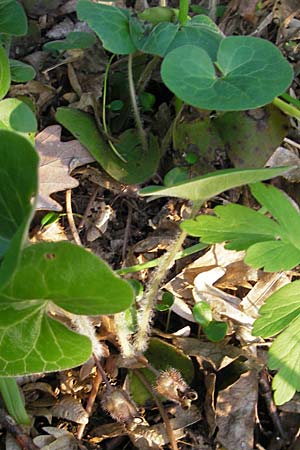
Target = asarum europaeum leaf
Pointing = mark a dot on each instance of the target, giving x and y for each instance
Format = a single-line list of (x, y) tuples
[(52, 278), (248, 73)]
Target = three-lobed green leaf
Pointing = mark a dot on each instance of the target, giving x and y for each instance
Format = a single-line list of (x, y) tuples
[(281, 313), (272, 244)]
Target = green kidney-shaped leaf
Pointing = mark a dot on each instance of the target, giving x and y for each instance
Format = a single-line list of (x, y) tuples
[(281, 312), (4, 73), (18, 184), (152, 39), (110, 23), (71, 277), (12, 18), (215, 331), (75, 39), (138, 166), (21, 72), (212, 184), (199, 35), (202, 313), (65, 275), (17, 116), (253, 73), (32, 342)]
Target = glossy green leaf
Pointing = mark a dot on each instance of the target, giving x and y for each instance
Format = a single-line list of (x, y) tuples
[(110, 23), (166, 302), (139, 166), (200, 35), (282, 313), (272, 244), (161, 356), (152, 39), (212, 184), (73, 40), (202, 313), (18, 184), (252, 73), (17, 116), (21, 72), (12, 18), (251, 137), (71, 278), (215, 331), (4, 73)]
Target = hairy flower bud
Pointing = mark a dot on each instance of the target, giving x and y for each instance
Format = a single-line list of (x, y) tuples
[(171, 385), (119, 405)]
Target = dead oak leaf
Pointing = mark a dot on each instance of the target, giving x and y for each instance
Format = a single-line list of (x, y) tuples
[(57, 160)]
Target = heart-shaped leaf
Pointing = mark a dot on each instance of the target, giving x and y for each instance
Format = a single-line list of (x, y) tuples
[(152, 39), (110, 23), (200, 35), (4, 73), (18, 184), (212, 184), (138, 166), (17, 116), (252, 73), (65, 275), (21, 72), (12, 18)]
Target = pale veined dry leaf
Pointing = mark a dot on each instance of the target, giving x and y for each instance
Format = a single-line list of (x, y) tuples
[(71, 409), (57, 160)]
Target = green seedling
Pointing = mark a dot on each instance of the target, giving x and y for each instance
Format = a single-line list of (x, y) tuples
[(272, 243), (214, 330)]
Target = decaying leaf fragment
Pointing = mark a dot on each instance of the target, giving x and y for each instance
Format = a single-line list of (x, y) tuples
[(57, 160)]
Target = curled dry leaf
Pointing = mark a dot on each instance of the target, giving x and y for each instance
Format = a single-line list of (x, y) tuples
[(57, 160), (71, 409)]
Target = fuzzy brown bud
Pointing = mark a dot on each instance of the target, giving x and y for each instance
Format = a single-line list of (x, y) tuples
[(171, 385), (120, 406)]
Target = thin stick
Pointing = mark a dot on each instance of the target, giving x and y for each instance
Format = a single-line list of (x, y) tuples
[(89, 407), (89, 206), (135, 108), (71, 218), (126, 232), (164, 416)]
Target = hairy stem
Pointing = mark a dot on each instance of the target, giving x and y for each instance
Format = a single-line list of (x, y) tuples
[(135, 108), (148, 301)]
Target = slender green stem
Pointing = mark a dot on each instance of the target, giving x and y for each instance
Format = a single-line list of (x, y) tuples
[(135, 108), (147, 303), (105, 127), (155, 262), (183, 11), (13, 400), (287, 108), (146, 74)]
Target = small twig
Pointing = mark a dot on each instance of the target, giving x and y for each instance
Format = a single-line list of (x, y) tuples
[(266, 392), (89, 407), (126, 232), (71, 218), (164, 416), (17, 431), (102, 373), (89, 206)]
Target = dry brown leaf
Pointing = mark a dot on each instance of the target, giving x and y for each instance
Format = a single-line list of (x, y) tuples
[(71, 409), (235, 410), (57, 160)]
